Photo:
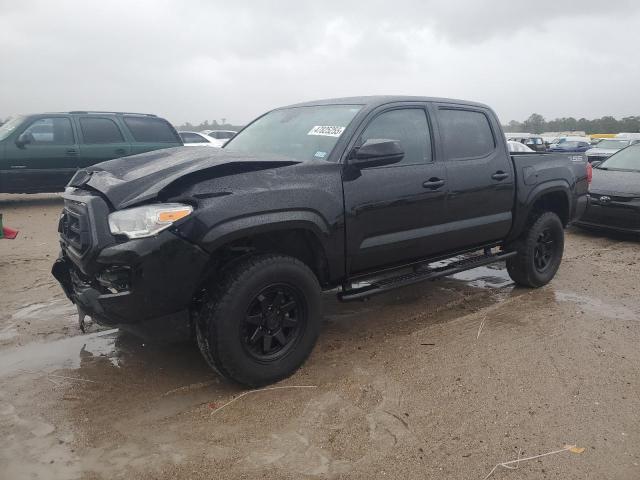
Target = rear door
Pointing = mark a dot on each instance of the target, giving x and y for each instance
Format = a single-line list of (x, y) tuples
[(480, 175), (393, 212), (150, 133), (46, 160), (101, 139)]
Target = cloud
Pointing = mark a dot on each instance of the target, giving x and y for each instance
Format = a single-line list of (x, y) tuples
[(196, 60)]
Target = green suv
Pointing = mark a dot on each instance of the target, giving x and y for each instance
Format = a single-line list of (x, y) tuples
[(40, 153)]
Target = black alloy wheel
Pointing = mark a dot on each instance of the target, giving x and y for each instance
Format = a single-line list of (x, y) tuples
[(274, 322), (260, 319), (539, 251), (545, 250)]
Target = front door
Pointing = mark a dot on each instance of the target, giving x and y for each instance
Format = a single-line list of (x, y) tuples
[(393, 212), (44, 156)]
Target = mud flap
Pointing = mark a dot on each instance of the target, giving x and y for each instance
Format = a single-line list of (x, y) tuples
[(60, 272), (81, 316)]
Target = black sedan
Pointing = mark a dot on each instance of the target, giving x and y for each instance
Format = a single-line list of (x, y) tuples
[(615, 193)]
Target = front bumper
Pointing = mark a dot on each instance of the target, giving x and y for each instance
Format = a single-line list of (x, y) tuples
[(616, 213), (145, 285)]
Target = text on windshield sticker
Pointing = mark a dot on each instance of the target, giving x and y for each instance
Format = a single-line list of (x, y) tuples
[(326, 131)]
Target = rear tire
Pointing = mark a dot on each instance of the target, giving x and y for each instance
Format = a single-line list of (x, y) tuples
[(261, 321), (539, 252)]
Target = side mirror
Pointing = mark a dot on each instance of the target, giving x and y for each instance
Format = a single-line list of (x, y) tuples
[(377, 152), (23, 139), (596, 163)]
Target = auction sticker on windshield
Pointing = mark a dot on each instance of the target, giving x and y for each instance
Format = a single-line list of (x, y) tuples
[(326, 131)]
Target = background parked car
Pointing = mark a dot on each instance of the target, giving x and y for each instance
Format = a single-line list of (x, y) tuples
[(224, 135), (571, 146), (517, 147), (41, 152), (199, 139), (615, 193), (607, 147), (561, 140), (534, 142)]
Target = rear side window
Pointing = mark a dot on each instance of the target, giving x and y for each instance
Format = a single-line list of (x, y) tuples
[(100, 130), (149, 129), (50, 131), (409, 127), (465, 134)]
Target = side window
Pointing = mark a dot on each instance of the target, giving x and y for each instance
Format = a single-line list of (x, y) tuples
[(465, 133), (150, 129), (100, 130), (50, 131), (408, 126)]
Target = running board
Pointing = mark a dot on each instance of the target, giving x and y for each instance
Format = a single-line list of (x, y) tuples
[(422, 274)]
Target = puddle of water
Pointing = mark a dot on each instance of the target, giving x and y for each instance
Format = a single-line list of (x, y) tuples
[(56, 308), (59, 354), (490, 276), (598, 306), (8, 333)]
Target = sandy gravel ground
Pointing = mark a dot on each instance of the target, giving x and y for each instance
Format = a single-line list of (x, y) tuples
[(440, 380)]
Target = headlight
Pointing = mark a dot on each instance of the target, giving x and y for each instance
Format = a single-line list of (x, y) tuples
[(146, 221)]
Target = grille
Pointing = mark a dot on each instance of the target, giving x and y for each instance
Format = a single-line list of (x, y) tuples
[(595, 198), (73, 227)]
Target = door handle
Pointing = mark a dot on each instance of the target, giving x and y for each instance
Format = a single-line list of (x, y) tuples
[(120, 151), (72, 151), (433, 183), (500, 175)]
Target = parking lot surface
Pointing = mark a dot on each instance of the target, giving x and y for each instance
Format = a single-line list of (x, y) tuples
[(439, 380)]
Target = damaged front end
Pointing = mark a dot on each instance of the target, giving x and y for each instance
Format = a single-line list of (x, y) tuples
[(127, 259), (143, 285)]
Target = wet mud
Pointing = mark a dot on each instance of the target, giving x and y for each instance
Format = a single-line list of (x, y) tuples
[(438, 380)]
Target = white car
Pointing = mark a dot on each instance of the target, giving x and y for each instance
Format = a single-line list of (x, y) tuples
[(223, 135), (607, 147), (199, 139), (517, 147)]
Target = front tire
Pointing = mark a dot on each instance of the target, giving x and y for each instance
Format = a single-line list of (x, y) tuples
[(540, 252), (261, 321)]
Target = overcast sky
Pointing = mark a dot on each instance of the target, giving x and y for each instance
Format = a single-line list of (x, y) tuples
[(196, 60)]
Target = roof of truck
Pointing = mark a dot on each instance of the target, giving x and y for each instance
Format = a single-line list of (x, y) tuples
[(376, 100)]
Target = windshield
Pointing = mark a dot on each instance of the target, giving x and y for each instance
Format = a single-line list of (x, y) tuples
[(303, 133), (7, 128), (627, 159), (613, 144)]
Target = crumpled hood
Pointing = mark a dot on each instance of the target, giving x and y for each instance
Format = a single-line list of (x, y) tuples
[(130, 180), (616, 182)]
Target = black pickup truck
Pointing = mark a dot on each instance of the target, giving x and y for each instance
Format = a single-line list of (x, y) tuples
[(366, 194)]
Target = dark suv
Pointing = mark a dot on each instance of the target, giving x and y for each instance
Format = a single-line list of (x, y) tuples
[(41, 152)]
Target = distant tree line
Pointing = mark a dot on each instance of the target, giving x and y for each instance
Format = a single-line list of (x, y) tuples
[(536, 123), (214, 125)]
